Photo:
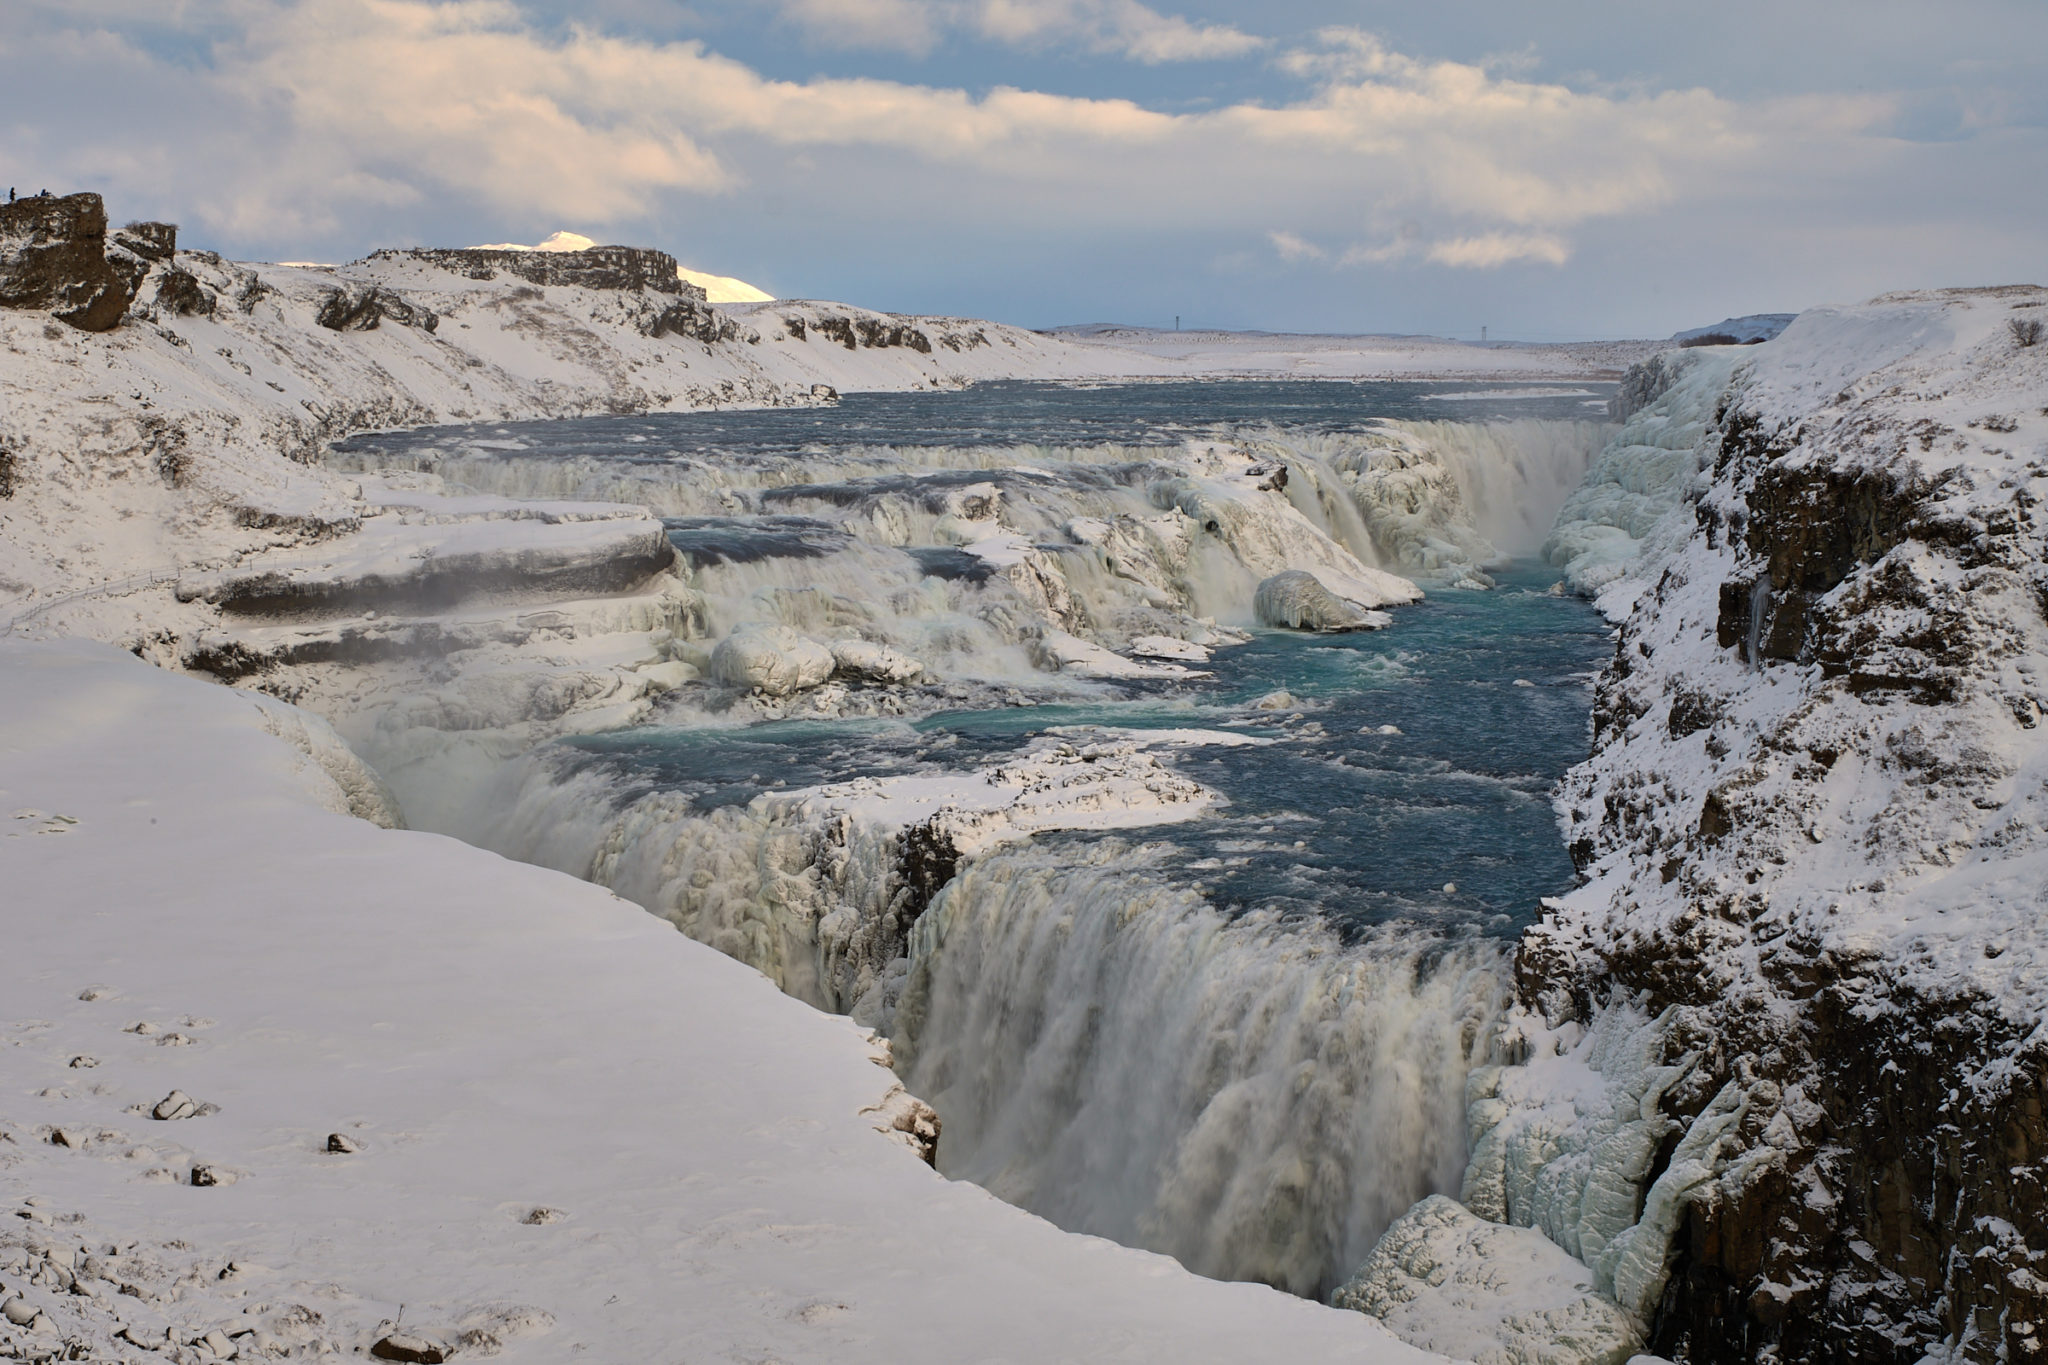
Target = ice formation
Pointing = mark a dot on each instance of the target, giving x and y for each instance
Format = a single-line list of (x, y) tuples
[(1487, 1292)]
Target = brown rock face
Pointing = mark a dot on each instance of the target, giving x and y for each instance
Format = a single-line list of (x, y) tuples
[(53, 257), (600, 267), (362, 309)]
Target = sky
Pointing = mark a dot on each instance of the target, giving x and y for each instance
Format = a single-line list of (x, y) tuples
[(1583, 168)]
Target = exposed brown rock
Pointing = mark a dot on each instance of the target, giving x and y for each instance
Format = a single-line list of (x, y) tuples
[(53, 257), (598, 267), (362, 309)]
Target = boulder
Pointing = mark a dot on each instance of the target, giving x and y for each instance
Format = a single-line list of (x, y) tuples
[(53, 257), (1297, 600), (771, 659), (180, 292), (869, 662), (361, 309), (401, 1346)]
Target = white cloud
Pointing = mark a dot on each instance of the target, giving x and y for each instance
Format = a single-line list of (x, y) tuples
[(1491, 249), (1295, 248), (1125, 28), (910, 26), (336, 115)]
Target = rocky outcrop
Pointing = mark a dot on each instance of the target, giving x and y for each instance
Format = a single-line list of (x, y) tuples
[(53, 257), (773, 660), (1297, 600), (598, 267), (362, 309), (1814, 835)]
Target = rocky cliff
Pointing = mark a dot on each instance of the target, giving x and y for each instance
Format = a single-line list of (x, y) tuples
[(55, 258), (1814, 831)]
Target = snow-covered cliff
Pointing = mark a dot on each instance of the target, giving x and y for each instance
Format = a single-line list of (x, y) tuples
[(1785, 1092)]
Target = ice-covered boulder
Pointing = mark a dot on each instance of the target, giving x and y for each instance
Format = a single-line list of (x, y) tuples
[(771, 659), (870, 662), (1445, 1279), (1297, 600)]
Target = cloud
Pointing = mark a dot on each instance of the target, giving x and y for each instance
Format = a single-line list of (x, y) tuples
[(1295, 248), (1124, 28), (1492, 249), (301, 117), (910, 26)]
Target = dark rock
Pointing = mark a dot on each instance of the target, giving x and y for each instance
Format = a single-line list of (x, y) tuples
[(399, 1346), (599, 267), (180, 292), (362, 308), (874, 333), (53, 257), (693, 319), (156, 243)]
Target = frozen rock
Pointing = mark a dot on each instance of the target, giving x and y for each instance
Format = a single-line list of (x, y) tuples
[(875, 663), (399, 1346), (1444, 1279), (53, 257), (771, 659), (18, 1311), (176, 1105), (1166, 647), (205, 1177), (667, 677), (342, 1143), (1297, 600)]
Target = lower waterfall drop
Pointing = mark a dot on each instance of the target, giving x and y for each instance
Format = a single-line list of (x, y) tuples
[(1252, 1096)]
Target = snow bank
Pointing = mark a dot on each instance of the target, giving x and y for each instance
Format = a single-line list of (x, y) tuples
[(535, 1118), (1480, 1291)]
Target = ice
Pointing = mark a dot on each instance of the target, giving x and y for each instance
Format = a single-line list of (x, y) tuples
[(1475, 1290)]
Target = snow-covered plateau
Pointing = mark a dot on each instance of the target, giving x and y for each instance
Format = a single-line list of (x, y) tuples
[(1766, 1084)]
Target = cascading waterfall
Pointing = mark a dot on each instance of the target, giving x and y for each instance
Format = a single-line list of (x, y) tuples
[(1256, 1095), (1250, 1096)]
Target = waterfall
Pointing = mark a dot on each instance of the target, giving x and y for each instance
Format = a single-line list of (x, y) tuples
[(1252, 1096)]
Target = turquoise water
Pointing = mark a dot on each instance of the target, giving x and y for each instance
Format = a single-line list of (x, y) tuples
[(1333, 820), (1343, 823)]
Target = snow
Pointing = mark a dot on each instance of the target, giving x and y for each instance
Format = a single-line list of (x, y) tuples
[(1751, 327), (579, 1132), (1496, 1295)]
